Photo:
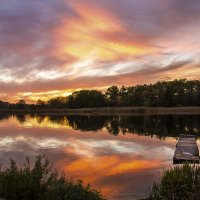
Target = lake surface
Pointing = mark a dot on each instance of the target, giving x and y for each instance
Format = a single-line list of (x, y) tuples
[(121, 156)]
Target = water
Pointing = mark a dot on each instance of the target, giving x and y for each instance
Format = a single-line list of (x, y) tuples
[(121, 156)]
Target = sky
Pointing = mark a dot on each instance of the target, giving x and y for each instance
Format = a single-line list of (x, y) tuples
[(51, 48)]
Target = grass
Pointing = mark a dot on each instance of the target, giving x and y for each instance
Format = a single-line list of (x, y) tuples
[(42, 182), (178, 183), (137, 110)]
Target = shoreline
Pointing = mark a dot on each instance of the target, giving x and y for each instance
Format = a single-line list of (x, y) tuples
[(112, 111)]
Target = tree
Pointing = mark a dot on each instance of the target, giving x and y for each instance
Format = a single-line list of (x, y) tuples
[(161, 94), (4, 105), (86, 99), (21, 104), (123, 94), (40, 103), (58, 102), (112, 96)]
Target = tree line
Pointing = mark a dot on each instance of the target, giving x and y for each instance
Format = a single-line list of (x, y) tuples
[(161, 94)]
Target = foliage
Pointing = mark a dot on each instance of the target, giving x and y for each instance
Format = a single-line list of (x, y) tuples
[(4, 105), (178, 183), (86, 99), (161, 94), (112, 96), (42, 182), (58, 102), (21, 104), (40, 103)]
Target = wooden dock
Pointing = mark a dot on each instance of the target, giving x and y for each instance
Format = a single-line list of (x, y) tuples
[(186, 150)]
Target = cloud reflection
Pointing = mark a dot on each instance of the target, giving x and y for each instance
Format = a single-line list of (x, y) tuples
[(126, 164)]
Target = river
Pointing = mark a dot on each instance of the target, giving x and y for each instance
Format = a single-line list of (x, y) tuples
[(122, 156)]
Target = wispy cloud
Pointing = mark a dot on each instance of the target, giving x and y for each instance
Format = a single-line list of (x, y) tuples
[(64, 45)]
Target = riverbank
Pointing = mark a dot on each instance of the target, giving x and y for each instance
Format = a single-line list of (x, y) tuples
[(112, 111)]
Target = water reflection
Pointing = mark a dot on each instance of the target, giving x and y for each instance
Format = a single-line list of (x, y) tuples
[(161, 126), (123, 167)]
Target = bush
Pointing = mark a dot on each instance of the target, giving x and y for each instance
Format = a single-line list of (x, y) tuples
[(178, 183), (42, 182)]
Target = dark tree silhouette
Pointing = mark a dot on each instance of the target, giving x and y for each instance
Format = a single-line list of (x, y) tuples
[(161, 94), (86, 99)]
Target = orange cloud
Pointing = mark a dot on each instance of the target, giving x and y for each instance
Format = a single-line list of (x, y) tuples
[(75, 44), (84, 37)]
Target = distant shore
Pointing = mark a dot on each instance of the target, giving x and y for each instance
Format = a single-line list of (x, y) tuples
[(112, 111)]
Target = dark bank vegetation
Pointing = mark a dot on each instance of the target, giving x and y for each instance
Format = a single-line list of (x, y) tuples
[(178, 183), (175, 93), (42, 182)]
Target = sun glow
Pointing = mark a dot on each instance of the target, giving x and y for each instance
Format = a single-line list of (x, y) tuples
[(75, 44), (86, 36)]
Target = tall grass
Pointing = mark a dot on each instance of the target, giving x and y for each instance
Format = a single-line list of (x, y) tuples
[(178, 183), (42, 182)]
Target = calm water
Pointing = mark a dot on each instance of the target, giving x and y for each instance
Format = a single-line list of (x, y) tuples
[(121, 156)]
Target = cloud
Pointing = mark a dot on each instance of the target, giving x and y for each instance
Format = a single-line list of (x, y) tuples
[(27, 35), (63, 45), (44, 89)]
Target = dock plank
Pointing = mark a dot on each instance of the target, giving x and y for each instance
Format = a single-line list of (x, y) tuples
[(186, 150)]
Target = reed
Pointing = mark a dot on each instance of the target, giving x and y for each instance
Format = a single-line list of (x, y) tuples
[(42, 182), (178, 183)]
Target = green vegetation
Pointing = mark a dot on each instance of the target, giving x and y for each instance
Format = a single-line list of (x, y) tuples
[(161, 94), (42, 182), (86, 99), (178, 183)]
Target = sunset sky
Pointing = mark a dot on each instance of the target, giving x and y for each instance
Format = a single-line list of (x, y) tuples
[(50, 48)]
